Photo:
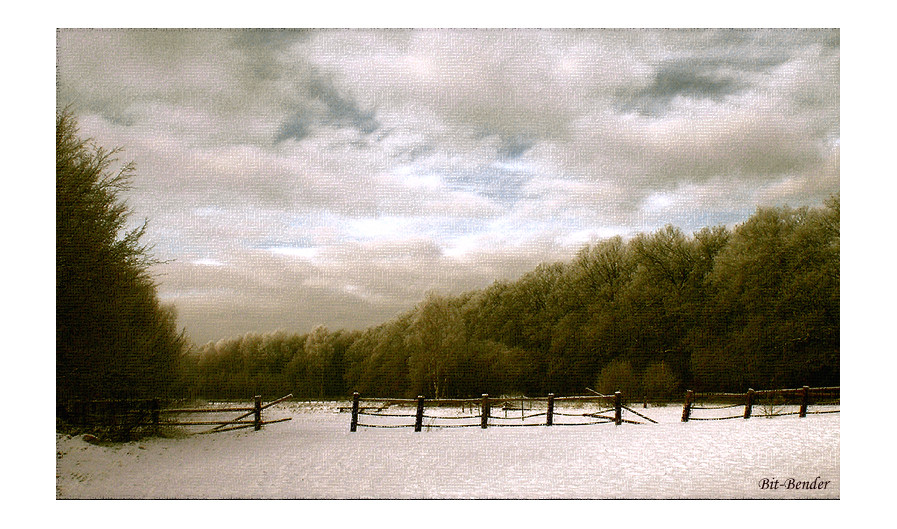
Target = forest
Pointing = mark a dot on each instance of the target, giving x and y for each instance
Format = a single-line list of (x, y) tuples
[(719, 310), (755, 306)]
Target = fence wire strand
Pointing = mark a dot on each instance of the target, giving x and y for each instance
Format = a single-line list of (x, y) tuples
[(587, 414), (518, 418), (780, 414), (717, 407), (387, 414), (450, 416), (581, 423)]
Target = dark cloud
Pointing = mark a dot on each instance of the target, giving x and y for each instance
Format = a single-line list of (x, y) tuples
[(832, 39), (261, 50), (686, 80), (713, 65), (689, 79), (514, 146), (696, 79), (342, 110), (326, 105), (270, 39), (296, 127)]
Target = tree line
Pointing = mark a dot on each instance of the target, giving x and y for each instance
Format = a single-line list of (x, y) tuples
[(719, 310)]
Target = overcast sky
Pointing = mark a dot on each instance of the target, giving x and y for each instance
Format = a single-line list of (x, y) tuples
[(297, 178)]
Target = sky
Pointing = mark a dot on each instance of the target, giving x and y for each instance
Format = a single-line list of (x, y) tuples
[(292, 179)]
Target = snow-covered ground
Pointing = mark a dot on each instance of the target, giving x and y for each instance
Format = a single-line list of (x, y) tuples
[(316, 456)]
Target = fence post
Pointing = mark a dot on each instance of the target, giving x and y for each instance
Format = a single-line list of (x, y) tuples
[(154, 413), (419, 419), (804, 401), (748, 403), (618, 408), (257, 421), (354, 425), (686, 410), (484, 406), (550, 415)]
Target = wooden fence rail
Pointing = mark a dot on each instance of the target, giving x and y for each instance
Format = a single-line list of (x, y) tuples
[(772, 399), (484, 406), (149, 412)]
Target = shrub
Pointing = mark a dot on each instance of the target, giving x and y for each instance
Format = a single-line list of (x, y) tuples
[(618, 376), (659, 383)]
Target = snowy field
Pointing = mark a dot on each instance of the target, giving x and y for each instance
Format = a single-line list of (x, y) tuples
[(315, 456)]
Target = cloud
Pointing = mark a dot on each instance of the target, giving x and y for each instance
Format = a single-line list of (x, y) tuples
[(682, 80), (334, 176), (325, 105)]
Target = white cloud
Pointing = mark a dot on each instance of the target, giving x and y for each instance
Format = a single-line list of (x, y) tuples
[(336, 176), (207, 262)]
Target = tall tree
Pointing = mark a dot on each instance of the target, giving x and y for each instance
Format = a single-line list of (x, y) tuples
[(113, 337)]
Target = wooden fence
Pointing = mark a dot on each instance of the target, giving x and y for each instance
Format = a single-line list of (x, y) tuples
[(131, 414), (479, 413), (771, 403)]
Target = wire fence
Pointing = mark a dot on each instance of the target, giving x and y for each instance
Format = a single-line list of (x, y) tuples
[(762, 403), (490, 412), (582, 410), (128, 415)]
